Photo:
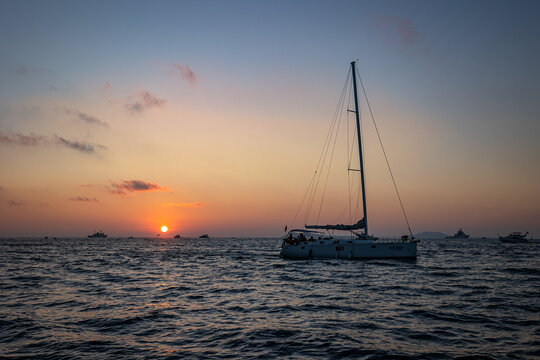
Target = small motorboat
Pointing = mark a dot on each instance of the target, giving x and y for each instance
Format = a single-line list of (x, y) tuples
[(98, 234), (515, 237)]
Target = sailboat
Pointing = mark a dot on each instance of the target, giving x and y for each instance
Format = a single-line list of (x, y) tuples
[(312, 242), (459, 235)]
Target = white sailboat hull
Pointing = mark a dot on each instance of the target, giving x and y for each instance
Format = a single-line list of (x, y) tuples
[(355, 249)]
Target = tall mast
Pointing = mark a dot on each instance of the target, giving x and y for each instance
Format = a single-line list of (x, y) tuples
[(357, 112)]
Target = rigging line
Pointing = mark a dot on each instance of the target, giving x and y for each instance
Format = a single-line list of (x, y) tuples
[(385, 157), (358, 192), (319, 168), (363, 144), (327, 146), (329, 167), (322, 158), (304, 198), (349, 162), (352, 152)]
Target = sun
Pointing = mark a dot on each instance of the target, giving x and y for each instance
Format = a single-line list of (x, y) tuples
[(164, 229)]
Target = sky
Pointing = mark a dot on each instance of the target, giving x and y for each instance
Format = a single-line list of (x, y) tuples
[(209, 116)]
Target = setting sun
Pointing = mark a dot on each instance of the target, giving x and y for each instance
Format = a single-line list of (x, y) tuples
[(164, 228)]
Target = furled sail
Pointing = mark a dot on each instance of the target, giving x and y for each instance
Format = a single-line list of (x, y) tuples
[(361, 224)]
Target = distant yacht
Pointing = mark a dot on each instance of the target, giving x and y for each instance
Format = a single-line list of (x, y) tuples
[(515, 237), (309, 243), (98, 234), (204, 236), (177, 236), (459, 235)]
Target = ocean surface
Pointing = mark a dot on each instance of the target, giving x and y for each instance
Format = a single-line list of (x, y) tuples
[(236, 298)]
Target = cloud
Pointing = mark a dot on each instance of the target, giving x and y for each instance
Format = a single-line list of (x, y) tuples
[(195, 204), (151, 100), (83, 199), (134, 108), (24, 140), (126, 186), (143, 100), (15, 203), (398, 31), (35, 140), (185, 73), (85, 117), (83, 147)]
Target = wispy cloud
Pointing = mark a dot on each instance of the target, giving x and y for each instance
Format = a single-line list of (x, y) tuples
[(35, 140), (83, 199), (125, 186), (185, 73), (143, 100), (83, 147), (398, 31), (134, 108), (85, 117), (20, 139), (15, 203), (195, 204)]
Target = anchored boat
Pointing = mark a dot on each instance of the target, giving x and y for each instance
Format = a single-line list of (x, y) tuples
[(313, 242), (98, 234), (459, 235), (515, 237)]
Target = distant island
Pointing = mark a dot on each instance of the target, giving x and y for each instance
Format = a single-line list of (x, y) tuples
[(430, 235)]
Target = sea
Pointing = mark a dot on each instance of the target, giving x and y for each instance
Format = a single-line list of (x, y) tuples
[(119, 298)]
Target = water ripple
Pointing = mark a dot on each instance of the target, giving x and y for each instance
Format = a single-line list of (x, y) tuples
[(231, 298)]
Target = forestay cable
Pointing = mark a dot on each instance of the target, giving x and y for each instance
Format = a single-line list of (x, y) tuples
[(385, 157)]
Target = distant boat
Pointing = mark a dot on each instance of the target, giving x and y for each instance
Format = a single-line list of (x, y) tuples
[(204, 236), (309, 244), (177, 236), (515, 237), (459, 235), (98, 234)]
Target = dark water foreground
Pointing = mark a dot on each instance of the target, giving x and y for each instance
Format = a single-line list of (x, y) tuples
[(216, 298)]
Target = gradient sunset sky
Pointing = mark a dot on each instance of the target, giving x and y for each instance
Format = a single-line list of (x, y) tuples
[(209, 116)]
